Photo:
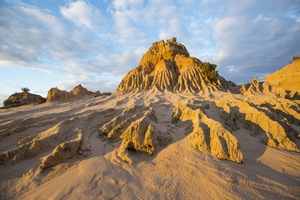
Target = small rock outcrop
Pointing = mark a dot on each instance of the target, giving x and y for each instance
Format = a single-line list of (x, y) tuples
[(23, 98), (78, 92), (167, 66)]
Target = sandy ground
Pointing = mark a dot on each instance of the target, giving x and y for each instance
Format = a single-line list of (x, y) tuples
[(176, 170)]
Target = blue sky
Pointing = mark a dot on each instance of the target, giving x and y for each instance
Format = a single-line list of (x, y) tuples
[(61, 43)]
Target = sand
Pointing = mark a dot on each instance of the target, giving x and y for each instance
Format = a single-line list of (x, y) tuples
[(177, 169)]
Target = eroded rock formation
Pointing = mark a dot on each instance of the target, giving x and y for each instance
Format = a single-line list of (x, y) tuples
[(78, 92), (208, 135), (267, 119), (62, 152), (167, 66), (136, 127)]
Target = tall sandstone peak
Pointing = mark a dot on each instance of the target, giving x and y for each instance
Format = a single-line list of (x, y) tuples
[(167, 66)]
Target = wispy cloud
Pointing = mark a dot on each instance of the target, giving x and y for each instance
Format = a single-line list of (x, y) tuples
[(82, 14)]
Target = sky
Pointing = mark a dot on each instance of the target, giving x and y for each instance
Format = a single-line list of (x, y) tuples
[(63, 43)]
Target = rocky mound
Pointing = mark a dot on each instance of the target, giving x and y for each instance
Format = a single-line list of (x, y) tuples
[(23, 98), (167, 66), (287, 78), (78, 92)]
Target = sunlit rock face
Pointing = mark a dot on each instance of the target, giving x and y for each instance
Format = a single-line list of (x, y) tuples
[(167, 66), (287, 78)]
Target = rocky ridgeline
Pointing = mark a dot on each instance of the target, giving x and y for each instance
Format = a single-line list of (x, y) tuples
[(78, 92), (54, 95), (264, 88), (167, 66)]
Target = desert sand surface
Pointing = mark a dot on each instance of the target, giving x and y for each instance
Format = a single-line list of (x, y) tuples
[(180, 166)]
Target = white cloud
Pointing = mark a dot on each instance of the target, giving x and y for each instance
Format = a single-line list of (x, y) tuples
[(81, 14), (127, 4), (50, 22)]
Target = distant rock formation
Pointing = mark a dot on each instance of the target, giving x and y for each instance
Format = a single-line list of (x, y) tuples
[(78, 92), (55, 94), (167, 66), (23, 98), (287, 78), (262, 88), (283, 83)]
